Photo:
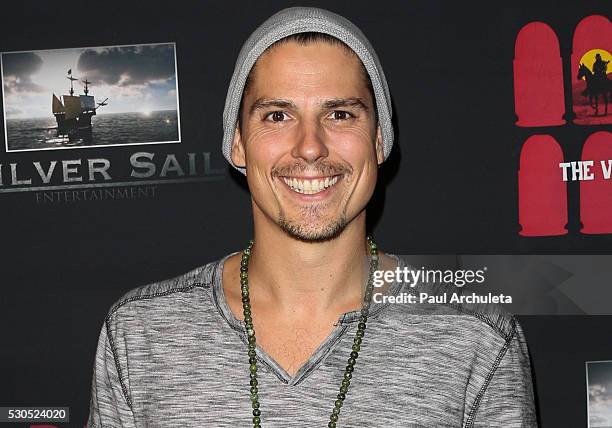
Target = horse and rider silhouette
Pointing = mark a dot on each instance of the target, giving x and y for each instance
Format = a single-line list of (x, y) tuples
[(597, 83)]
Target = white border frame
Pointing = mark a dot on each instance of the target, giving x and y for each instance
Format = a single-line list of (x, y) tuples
[(178, 113), (586, 370)]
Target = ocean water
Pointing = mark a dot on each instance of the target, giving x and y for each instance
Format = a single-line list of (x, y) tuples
[(115, 128)]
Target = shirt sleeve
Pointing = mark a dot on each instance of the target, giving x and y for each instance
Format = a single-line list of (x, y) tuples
[(109, 404), (508, 400)]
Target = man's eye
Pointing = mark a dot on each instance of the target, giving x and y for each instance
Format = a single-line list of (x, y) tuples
[(276, 116), (340, 115)]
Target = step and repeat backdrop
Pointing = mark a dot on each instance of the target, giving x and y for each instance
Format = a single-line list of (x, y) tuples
[(112, 176)]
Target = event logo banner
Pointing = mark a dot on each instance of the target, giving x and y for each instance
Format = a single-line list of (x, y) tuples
[(80, 120)]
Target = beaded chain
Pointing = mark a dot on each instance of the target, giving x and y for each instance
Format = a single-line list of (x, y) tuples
[(248, 322)]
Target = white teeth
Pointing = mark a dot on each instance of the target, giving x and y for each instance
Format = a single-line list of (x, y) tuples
[(310, 187)]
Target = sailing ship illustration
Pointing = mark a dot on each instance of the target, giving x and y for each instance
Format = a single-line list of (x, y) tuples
[(73, 115)]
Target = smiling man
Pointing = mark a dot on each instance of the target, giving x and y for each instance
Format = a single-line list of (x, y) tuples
[(275, 335), (310, 134)]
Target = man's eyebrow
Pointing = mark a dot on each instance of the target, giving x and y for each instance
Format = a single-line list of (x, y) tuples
[(262, 103), (346, 102)]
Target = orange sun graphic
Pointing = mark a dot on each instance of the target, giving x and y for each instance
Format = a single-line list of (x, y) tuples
[(589, 58)]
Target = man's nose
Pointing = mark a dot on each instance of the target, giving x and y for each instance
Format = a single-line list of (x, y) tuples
[(310, 144)]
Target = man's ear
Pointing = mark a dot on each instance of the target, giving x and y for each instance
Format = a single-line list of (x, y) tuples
[(238, 156), (380, 152)]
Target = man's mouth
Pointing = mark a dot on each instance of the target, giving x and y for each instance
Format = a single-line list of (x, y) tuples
[(311, 186)]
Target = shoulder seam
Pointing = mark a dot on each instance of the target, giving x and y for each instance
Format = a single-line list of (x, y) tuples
[(489, 321), (471, 416), (152, 295)]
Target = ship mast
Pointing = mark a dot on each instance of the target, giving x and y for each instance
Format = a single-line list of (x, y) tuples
[(72, 79), (86, 90)]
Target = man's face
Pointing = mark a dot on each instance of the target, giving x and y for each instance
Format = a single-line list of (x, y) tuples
[(309, 139)]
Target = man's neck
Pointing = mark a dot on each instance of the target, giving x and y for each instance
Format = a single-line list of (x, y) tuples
[(306, 279)]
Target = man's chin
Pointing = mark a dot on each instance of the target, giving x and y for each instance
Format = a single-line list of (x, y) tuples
[(313, 233)]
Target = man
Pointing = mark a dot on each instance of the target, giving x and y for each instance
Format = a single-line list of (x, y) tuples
[(600, 68), (276, 335)]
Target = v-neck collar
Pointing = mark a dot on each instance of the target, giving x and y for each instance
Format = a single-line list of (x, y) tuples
[(341, 327)]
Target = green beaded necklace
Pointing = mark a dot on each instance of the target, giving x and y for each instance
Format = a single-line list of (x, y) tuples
[(250, 330)]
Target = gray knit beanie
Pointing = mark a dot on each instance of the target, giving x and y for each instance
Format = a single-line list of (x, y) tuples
[(295, 20)]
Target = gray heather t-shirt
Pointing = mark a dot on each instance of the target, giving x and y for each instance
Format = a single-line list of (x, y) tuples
[(172, 354)]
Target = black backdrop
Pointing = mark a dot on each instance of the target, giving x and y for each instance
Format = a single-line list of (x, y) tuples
[(450, 186)]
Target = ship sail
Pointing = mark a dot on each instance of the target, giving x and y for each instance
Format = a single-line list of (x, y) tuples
[(73, 106), (87, 102), (58, 107)]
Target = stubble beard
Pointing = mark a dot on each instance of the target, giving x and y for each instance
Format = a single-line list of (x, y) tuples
[(310, 229)]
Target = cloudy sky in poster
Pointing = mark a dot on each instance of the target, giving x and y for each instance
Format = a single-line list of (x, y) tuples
[(600, 393), (140, 78)]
